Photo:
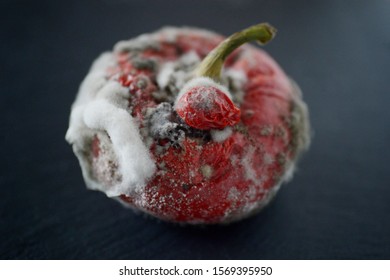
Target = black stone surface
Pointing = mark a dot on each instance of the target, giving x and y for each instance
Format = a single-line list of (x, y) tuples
[(337, 206)]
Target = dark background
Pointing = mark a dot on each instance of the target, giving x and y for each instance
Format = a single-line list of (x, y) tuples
[(337, 206)]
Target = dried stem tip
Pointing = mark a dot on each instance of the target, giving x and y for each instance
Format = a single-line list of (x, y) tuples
[(212, 64)]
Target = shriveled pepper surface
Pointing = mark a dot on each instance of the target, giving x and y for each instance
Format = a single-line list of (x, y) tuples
[(200, 180)]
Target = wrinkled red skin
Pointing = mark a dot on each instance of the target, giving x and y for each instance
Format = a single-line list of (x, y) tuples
[(180, 191), (219, 113)]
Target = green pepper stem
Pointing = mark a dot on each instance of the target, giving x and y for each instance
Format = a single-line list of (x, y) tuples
[(212, 64)]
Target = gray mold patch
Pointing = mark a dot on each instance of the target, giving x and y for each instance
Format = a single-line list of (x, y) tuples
[(162, 127)]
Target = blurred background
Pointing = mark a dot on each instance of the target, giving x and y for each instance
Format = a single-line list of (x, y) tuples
[(336, 207)]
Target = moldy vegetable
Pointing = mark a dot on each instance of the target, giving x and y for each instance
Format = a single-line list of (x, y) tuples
[(188, 126)]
